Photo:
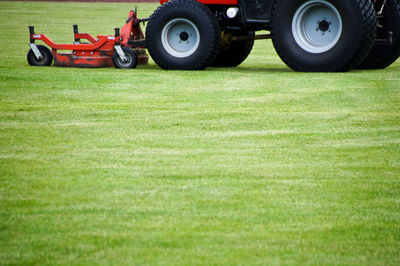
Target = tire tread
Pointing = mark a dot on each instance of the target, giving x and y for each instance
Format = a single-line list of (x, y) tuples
[(382, 56), (359, 53), (212, 25)]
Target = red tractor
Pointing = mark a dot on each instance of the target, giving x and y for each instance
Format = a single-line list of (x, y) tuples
[(308, 35)]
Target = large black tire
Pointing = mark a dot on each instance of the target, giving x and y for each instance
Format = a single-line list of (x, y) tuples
[(183, 34), (131, 59), (233, 54), (386, 49), (47, 57), (323, 35)]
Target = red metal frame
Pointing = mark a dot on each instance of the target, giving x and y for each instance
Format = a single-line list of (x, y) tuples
[(220, 2), (213, 2), (99, 52)]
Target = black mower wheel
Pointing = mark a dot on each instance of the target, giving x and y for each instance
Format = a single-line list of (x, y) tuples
[(47, 57), (386, 48), (323, 35), (131, 59), (233, 53), (183, 34)]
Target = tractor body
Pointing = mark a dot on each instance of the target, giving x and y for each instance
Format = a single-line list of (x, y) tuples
[(308, 35)]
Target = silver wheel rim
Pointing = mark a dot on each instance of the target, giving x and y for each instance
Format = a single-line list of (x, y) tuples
[(180, 38), (317, 26), (128, 60)]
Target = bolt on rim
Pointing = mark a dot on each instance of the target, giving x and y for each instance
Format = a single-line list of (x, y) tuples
[(180, 38), (317, 26)]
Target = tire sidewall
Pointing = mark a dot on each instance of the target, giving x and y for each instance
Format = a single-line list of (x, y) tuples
[(157, 49), (383, 54), (340, 53), (236, 52)]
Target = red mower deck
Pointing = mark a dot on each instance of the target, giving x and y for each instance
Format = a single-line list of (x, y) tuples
[(124, 49)]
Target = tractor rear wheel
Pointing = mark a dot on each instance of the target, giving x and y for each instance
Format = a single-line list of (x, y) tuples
[(386, 48), (323, 35), (183, 34), (233, 53)]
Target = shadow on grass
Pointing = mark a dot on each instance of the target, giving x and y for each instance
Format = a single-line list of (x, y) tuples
[(239, 69), (257, 69), (395, 68), (260, 69)]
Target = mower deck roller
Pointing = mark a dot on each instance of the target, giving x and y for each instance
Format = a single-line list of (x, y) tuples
[(124, 49)]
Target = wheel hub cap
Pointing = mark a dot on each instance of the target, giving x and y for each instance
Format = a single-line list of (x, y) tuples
[(324, 25), (180, 38), (317, 26), (184, 36)]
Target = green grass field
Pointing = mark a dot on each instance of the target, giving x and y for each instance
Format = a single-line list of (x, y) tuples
[(252, 165)]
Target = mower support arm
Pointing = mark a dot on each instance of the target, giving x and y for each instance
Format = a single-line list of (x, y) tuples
[(82, 47)]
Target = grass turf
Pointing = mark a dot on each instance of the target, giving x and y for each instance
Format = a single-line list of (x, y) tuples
[(252, 165)]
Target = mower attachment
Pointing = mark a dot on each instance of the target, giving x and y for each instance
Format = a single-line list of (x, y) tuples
[(124, 49)]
